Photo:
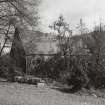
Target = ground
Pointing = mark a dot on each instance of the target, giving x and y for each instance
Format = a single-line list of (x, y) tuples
[(24, 94)]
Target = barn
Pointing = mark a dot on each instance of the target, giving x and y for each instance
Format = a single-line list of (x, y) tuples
[(26, 46)]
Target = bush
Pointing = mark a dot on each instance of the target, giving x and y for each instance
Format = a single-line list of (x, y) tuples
[(8, 69), (10, 72), (82, 72)]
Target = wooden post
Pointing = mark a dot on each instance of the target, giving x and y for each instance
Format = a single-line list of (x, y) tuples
[(26, 66)]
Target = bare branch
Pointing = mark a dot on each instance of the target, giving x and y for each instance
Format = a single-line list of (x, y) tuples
[(6, 35)]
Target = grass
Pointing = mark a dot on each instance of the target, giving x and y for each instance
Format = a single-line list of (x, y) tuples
[(24, 94)]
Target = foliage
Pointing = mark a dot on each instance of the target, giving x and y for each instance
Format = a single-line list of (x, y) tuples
[(83, 70), (22, 10), (22, 14), (64, 33), (8, 69)]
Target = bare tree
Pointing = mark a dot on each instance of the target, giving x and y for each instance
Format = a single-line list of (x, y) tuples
[(17, 13), (64, 32), (64, 38), (82, 27)]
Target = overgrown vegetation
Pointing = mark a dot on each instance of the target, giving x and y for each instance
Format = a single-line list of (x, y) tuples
[(82, 69), (15, 16), (77, 65)]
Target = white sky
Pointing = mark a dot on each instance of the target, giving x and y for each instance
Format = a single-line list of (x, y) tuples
[(92, 11)]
